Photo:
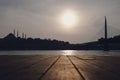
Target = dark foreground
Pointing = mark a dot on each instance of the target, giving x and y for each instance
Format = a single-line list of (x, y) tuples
[(59, 67)]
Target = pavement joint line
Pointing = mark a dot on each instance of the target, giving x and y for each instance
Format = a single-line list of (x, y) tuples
[(117, 75), (40, 78), (12, 72), (76, 69)]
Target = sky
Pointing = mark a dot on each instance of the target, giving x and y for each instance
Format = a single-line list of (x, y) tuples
[(41, 19)]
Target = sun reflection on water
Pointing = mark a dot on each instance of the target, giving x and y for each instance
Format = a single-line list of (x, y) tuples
[(68, 52)]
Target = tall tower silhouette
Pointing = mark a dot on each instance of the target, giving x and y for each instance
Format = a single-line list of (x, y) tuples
[(106, 36), (14, 32), (17, 34), (23, 35)]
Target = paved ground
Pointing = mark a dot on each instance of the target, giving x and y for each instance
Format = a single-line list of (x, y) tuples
[(60, 67)]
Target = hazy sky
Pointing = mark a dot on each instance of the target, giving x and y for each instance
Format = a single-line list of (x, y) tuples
[(40, 18)]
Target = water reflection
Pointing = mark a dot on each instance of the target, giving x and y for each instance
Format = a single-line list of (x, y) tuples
[(68, 52), (59, 52)]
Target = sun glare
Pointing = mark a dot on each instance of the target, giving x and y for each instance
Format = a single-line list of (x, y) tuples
[(69, 18), (68, 52)]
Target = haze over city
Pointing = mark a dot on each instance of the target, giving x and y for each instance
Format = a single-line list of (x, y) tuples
[(76, 21)]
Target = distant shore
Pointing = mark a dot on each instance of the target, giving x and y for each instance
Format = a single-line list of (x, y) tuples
[(11, 42)]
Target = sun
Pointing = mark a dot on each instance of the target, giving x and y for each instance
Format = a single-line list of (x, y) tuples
[(69, 18)]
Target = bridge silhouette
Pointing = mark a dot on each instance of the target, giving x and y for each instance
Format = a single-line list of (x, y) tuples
[(104, 34)]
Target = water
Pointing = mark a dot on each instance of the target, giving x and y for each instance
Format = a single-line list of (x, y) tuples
[(59, 52)]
